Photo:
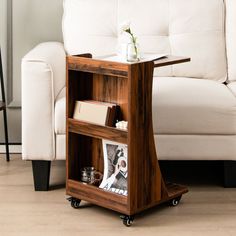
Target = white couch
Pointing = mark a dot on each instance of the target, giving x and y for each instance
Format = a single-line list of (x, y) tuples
[(194, 104)]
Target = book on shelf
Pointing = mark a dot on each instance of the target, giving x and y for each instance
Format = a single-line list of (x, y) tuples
[(101, 113), (115, 167)]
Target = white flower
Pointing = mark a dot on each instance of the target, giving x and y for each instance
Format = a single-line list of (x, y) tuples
[(125, 26)]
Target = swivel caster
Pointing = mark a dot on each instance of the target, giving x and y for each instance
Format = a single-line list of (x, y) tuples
[(74, 202), (175, 201), (127, 220)]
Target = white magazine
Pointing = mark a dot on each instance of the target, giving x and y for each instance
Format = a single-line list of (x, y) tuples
[(115, 167)]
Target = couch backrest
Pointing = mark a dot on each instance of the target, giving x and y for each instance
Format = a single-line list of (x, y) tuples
[(193, 28)]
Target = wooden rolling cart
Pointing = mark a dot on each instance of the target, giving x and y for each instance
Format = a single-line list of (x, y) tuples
[(129, 86)]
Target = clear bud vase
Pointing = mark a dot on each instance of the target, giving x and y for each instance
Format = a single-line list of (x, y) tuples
[(133, 52)]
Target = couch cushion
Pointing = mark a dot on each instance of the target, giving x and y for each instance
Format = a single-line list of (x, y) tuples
[(232, 87), (193, 28), (231, 37), (182, 106), (192, 106), (60, 113), (196, 147)]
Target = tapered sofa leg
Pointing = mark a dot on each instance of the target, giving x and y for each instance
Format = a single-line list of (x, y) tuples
[(41, 173), (229, 174)]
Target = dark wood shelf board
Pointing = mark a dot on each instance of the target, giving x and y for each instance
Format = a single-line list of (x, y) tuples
[(114, 68), (97, 196), (97, 66), (175, 190), (97, 131), (170, 60)]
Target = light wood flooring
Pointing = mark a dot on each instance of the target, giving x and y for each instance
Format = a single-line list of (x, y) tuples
[(208, 209)]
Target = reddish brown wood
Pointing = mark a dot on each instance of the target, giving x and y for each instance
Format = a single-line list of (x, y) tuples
[(97, 66), (129, 86), (87, 55), (97, 154), (170, 60), (144, 173), (97, 131), (97, 196), (78, 87), (172, 190), (112, 89), (175, 190)]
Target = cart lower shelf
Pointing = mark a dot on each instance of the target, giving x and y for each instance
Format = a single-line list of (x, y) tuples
[(117, 202)]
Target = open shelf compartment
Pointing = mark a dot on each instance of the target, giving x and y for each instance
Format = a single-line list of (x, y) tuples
[(84, 140)]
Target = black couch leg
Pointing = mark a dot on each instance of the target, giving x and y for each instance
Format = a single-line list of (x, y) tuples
[(229, 174), (41, 173)]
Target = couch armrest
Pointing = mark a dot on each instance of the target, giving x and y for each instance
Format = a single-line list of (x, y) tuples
[(43, 76)]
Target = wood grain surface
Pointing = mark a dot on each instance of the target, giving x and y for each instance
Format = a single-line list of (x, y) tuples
[(130, 87)]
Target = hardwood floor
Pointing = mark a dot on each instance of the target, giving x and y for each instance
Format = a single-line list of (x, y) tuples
[(208, 209)]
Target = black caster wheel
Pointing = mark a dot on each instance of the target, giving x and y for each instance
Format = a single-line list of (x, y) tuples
[(127, 220), (74, 202), (175, 201)]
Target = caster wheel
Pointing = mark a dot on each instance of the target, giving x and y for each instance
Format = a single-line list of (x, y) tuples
[(74, 202), (175, 201), (127, 220)]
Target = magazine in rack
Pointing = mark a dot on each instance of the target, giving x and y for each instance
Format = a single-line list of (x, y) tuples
[(115, 167)]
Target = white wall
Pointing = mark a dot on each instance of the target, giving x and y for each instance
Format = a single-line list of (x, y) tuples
[(3, 30), (33, 22), (3, 43)]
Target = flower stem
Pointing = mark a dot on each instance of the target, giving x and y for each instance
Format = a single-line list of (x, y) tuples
[(134, 42)]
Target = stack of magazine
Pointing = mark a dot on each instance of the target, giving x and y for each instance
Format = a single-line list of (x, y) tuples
[(115, 167)]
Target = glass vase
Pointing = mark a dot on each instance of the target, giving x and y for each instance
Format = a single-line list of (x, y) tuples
[(133, 52)]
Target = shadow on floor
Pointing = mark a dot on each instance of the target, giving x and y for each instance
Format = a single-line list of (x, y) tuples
[(193, 172)]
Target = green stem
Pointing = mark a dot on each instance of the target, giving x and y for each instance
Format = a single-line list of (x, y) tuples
[(134, 42)]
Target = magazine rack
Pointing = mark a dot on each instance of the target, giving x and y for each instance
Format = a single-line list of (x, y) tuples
[(129, 86)]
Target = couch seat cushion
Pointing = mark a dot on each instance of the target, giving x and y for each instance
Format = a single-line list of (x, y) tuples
[(192, 106), (181, 106)]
